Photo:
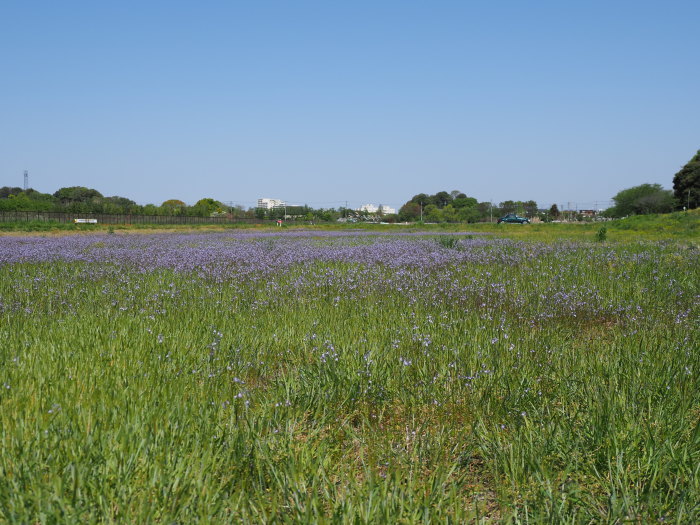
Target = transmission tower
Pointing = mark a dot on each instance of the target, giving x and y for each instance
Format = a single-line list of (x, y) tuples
[(26, 180)]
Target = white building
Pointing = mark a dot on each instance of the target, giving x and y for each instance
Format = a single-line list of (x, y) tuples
[(269, 204), (371, 208)]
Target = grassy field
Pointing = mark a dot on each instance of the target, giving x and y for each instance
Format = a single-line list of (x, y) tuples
[(679, 225), (340, 376)]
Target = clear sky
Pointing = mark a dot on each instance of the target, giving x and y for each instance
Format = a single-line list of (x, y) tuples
[(360, 101)]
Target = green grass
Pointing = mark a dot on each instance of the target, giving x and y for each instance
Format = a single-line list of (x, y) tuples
[(676, 226), (55, 226), (162, 397)]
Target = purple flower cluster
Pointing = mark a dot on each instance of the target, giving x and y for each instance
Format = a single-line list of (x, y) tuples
[(535, 282)]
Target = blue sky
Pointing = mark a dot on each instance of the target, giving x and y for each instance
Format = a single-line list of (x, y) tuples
[(327, 102)]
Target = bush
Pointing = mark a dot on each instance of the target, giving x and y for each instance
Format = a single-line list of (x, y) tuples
[(602, 234), (448, 241)]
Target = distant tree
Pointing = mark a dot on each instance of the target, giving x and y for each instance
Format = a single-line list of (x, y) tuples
[(554, 211), (530, 208), (642, 199), (276, 213), (410, 211), (16, 199), (172, 207), (325, 215), (508, 207), (449, 214), (6, 191), (207, 207), (116, 204), (442, 199), (431, 213), (239, 211), (19, 202), (659, 202), (485, 210), (421, 197), (686, 183), (457, 199), (119, 201), (38, 196), (462, 201), (77, 194), (468, 214), (174, 203)]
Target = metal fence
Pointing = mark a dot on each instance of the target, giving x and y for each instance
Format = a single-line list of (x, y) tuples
[(62, 217)]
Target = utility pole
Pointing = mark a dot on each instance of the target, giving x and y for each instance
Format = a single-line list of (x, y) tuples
[(490, 211), (421, 212), (26, 180)]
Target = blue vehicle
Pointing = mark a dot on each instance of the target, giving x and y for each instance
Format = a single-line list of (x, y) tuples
[(513, 218)]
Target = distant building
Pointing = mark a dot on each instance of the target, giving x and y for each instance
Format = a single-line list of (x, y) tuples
[(588, 213), (270, 204), (371, 208)]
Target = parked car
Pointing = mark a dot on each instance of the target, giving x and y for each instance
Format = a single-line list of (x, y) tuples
[(512, 217)]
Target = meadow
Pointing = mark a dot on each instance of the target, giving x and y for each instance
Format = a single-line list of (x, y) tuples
[(349, 376)]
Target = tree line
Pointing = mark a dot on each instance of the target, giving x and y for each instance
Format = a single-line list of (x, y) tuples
[(443, 206), (79, 199), (456, 206), (653, 198)]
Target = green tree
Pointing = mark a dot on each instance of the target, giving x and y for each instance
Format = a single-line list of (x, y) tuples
[(642, 199), (468, 214), (686, 183), (442, 199), (239, 211), (421, 198), (449, 214), (207, 207), (150, 209), (38, 197), (325, 215), (507, 207), (530, 208), (410, 211), (172, 207), (16, 199), (554, 211), (431, 213), (6, 191), (464, 202), (485, 210), (19, 202), (77, 194), (116, 204), (457, 199)]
